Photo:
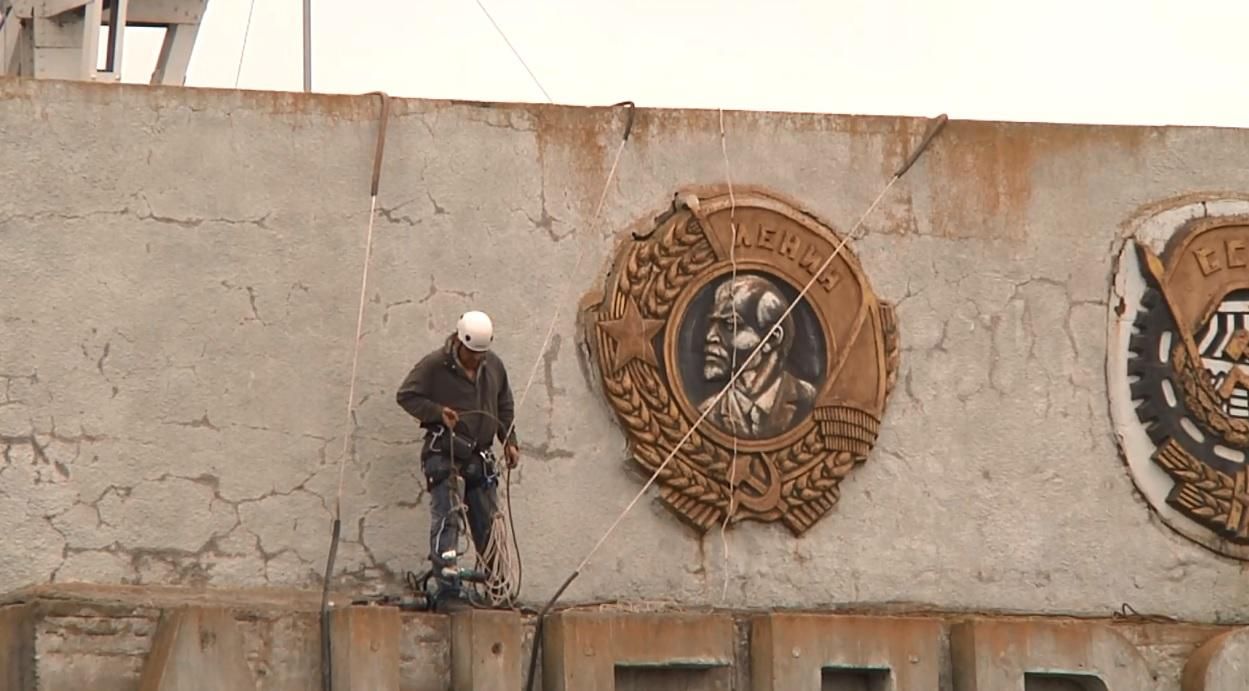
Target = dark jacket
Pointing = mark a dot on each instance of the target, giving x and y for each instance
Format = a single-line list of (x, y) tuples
[(438, 380)]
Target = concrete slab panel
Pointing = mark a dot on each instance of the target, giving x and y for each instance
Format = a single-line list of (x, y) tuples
[(485, 650), (364, 647), (581, 650), (999, 655), (196, 647), (17, 655), (789, 652)]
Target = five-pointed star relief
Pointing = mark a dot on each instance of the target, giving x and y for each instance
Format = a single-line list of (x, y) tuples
[(632, 335)]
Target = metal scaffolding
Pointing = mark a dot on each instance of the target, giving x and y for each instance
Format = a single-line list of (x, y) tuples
[(60, 39)]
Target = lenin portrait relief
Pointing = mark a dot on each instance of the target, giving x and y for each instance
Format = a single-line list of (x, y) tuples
[(699, 334), (777, 389)]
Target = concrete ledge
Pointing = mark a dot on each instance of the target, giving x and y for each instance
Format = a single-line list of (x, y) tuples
[(101, 638), (789, 652), (581, 650), (77, 636), (194, 648), (129, 597)]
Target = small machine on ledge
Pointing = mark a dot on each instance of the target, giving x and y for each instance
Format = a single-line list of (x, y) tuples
[(420, 596)]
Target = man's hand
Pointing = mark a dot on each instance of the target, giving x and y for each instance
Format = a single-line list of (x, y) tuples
[(449, 418), (511, 453)]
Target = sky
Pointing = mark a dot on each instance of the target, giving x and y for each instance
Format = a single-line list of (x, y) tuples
[(1151, 62)]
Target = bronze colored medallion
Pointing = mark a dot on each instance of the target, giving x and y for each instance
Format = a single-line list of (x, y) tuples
[(685, 305), (1188, 372)]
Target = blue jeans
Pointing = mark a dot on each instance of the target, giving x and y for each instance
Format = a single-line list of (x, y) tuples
[(480, 498)]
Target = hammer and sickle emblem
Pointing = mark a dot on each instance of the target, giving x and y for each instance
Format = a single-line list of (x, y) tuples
[(1237, 349), (767, 488)]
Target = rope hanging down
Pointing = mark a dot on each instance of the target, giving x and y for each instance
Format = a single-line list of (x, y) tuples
[(733, 419), (497, 549), (934, 128), (326, 671), (501, 556), (598, 208), (502, 563), (497, 560)]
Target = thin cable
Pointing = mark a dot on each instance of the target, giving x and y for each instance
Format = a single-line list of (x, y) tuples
[(307, 45), (364, 283), (351, 396), (928, 137), (355, 358), (551, 328), (793, 305), (514, 51), (572, 278), (728, 514), (336, 526), (577, 571), (537, 640), (732, 379), (326, 662), (243, 51)]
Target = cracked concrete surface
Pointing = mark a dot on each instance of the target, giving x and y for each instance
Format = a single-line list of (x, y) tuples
[(177, 319)]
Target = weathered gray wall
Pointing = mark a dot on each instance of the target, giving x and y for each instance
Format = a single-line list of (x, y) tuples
[(178, 295)]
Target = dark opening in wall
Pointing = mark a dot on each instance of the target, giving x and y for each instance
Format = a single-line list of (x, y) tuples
[(1062, 682), (672, 679), (854, 680)]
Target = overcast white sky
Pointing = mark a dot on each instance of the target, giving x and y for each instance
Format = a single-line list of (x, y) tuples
[(1096, 61)]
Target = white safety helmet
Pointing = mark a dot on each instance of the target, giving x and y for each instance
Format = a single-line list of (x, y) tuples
[(475, 331)]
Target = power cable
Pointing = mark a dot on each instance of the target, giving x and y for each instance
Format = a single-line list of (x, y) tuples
[(242, 51), (326, 664), (514, 51)]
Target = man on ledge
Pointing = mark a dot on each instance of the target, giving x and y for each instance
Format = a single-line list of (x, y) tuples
[(463, 387)]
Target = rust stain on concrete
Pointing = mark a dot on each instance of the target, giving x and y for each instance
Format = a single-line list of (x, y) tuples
[(576, 147), (982, 174), (663, 123)]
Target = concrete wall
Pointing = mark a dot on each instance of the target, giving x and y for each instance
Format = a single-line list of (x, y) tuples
[(178, 296)]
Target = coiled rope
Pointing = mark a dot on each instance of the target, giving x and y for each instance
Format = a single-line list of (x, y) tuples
[(500, 558)]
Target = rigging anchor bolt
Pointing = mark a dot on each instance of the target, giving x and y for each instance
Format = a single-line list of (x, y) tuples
[(629, 120)]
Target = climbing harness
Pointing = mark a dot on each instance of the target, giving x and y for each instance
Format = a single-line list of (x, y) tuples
[(500, 559)]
